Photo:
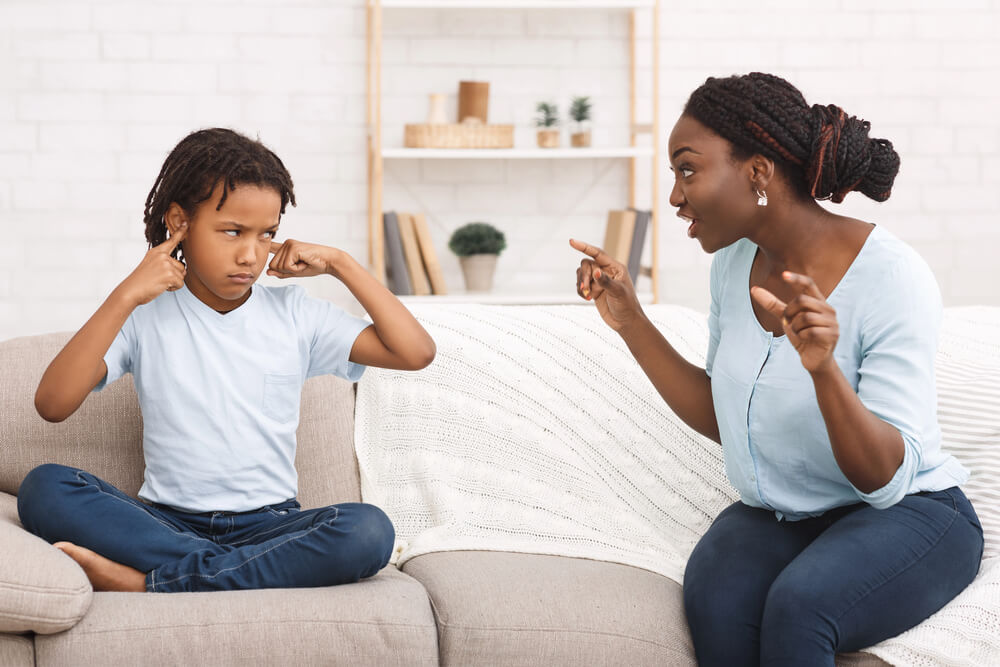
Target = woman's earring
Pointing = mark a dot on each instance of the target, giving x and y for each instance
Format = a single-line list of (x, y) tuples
[(761, 197)]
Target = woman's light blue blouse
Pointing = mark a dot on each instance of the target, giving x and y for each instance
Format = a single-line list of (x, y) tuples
[(777, 451)]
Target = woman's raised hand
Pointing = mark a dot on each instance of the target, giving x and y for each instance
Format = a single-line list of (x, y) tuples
[(607, 283), (158, 272), (809, 321)]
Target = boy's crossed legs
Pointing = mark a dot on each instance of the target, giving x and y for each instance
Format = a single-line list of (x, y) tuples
[(123, 544)]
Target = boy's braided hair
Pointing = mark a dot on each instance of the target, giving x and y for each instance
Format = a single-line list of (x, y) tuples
[(199, 162), (821, 150)]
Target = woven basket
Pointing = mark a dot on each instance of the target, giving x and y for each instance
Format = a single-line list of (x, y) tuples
[(458, 135)]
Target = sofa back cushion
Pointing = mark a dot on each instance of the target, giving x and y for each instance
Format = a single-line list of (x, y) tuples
[(104, 436)]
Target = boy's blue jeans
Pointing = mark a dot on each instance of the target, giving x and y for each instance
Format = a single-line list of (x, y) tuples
[(758, 591), (278, 546)]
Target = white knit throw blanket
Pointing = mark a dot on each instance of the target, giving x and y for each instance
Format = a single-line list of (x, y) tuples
[(535, 431)]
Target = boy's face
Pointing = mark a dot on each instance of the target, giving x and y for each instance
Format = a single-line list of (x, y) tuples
[(226, 249)]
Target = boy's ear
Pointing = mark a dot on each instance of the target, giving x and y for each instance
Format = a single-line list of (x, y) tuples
[(174, 216)]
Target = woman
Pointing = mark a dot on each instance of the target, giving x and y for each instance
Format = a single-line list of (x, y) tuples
[(819, 384)]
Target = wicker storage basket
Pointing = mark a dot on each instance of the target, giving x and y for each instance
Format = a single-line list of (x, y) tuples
[(458, 135)]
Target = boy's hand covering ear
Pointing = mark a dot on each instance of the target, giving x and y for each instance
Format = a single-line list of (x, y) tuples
[(158, 272), (295, 259)]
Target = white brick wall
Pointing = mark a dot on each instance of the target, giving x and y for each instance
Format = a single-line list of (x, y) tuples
[(94, 93)]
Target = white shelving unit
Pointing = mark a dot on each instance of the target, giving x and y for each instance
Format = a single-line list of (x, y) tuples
[(377, 153), (516, 153)]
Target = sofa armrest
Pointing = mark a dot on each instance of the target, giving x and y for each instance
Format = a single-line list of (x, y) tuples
[(41, 589)]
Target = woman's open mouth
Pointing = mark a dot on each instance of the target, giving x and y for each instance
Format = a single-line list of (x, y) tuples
[(693, 227)]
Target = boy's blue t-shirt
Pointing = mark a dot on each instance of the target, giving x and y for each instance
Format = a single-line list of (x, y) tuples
[(774, 439), (220, 392)]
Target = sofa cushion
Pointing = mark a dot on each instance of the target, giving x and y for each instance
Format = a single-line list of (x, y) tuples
[(104, 436), (496, 608), (16, 651), (385, 620), (501, 608), (41, 589)]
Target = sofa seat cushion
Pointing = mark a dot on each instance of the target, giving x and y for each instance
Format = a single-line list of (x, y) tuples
[(16, 651), (41, 588), (497, 608), (385, 620)]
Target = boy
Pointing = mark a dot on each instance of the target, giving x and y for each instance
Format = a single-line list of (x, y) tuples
[(218, 365)]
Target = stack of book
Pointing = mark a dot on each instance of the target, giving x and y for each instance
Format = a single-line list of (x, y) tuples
[(625, 238), (411, 263)]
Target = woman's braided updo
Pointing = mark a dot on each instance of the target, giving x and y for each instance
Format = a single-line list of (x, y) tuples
[(824, 152), (199, 162)]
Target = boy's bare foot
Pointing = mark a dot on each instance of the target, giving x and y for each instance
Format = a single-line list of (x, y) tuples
[(104, 573)]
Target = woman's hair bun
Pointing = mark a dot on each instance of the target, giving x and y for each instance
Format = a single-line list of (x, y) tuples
[(843, 157)]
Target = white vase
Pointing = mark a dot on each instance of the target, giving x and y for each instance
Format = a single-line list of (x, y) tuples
[(436, 114), (478, 271)]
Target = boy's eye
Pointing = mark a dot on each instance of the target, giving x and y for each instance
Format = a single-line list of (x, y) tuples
[(231, 232)]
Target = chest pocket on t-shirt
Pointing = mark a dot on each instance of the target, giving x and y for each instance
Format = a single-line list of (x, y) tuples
[(281, 395)]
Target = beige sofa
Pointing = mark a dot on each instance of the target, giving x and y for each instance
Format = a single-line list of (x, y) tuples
[(454, 608)]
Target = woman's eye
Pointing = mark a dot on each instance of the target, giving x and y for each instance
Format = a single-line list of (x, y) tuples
[(231, 232), (685, 172)]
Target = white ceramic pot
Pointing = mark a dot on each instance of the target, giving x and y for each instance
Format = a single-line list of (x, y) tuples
[(478, 271)]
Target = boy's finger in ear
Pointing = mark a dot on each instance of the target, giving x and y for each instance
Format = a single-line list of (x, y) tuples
[(174, 239)]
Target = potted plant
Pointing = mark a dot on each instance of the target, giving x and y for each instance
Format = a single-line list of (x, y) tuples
[(477, 245), (547, 122), (579, 111)]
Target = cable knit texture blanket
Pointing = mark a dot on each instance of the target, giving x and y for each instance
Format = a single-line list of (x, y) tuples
[(535, 431)]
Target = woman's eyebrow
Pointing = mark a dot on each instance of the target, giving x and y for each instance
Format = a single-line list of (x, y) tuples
[(683, 149)]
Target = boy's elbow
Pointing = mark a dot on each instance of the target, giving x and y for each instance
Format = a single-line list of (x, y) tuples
[(47, 411), (423, 357)]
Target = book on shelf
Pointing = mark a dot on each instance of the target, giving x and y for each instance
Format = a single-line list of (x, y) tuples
[(397, 275), (411, 251), (638, 243), (431, 263), (618, 234)]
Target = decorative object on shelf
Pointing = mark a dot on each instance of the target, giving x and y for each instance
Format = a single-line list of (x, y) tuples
[(411, 251), (579, 111), (472, 130), (458, 135), (436, 110), (431, 263), (397, 273), (547, 122), (477, 245), (473, 100)]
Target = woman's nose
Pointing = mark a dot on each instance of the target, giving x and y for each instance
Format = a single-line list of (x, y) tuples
[(676, 195)]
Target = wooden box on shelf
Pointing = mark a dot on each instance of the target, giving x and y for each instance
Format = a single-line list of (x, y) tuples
[(458, 135)]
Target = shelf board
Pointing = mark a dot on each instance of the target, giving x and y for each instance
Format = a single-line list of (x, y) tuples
[(517, 4), (516, 153), (511, 298)]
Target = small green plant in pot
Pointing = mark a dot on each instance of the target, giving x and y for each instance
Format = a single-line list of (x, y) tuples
[(547, 122), (477, 245), (579, 111)]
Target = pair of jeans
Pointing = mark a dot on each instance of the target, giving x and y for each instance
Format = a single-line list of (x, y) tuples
[(277, 546), (758, 591)]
